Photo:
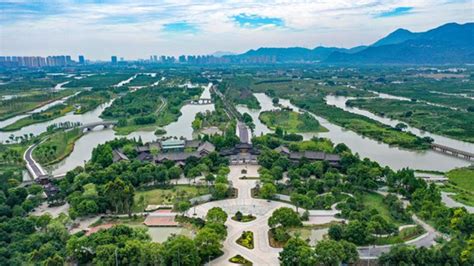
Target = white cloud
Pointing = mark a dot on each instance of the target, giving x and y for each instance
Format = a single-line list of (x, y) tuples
[(134, 29)]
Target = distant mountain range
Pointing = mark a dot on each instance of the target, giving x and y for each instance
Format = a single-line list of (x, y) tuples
[(448, 44)]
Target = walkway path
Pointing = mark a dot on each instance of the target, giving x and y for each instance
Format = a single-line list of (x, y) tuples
[(451, 203), (425, 240), (263, 253)]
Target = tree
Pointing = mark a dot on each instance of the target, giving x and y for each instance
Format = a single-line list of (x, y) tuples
[(400, 126), (357, 232), (180, 250), (331, 252), (207, 243), (216, 215), (285, 217), (267, 191), (336, 232), (102, 155), (183, 206), (297, 252), (275, 101), (220, 191), (174, 172), (120, 195)]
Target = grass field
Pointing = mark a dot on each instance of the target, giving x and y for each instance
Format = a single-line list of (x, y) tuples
[(375, 201), (290, 121), (166, 195), (461, 182)]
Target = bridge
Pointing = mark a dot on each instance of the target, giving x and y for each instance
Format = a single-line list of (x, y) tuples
[(453, 152), (91, 126), (201, 101)]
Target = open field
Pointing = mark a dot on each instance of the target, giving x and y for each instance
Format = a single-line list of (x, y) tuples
[(461, 182), (290, 121), (166, 196)]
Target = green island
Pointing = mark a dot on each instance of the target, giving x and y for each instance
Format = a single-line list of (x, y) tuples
[(291, 121), (238, 91), (448, 92), (32, 100), (309, 96), (27, 82), (143, 80), (217, 118), (438, 120), (149, 108), (57, 146), (83, 102), (99, 80)]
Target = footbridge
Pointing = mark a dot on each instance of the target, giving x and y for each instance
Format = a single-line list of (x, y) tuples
[(91, 126), (453, 152), (201, 101)]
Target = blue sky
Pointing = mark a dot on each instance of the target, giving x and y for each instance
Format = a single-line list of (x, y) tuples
[(398, 11), (139, 28)]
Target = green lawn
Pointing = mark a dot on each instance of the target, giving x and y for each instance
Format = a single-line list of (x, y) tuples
[(461, 182), (291, 121), (159, 196), (462, 177), (375, 201)]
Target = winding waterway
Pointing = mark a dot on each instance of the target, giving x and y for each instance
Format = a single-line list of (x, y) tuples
[(83, 147), (340, 102), (393, 157)]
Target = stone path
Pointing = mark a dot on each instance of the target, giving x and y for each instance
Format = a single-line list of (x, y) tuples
[(263, 253)]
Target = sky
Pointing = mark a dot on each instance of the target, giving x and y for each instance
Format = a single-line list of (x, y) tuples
[(137, 29)]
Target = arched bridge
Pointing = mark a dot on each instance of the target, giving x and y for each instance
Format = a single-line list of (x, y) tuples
[(91, 126), (201, 101)]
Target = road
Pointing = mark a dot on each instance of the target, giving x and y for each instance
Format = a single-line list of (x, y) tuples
[(33, 167), (425, 240)]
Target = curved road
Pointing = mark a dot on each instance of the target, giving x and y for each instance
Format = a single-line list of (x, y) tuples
[(34, 168)]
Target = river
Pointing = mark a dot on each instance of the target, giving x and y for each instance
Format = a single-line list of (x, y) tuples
[(83, 147), (393, 157), (340, 102), (5, 135)]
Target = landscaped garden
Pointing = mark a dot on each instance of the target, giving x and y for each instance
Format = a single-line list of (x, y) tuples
[(239, 259), (243, 218), (246, 239)]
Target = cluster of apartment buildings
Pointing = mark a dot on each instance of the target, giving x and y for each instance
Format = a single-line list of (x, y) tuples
[(36, 61)]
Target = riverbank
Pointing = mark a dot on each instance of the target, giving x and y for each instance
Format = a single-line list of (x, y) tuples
[(438, 120), (56, 147), (291, 121), (22, 105)]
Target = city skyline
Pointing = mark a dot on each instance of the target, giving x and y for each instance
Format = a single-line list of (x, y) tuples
[(99, 29)]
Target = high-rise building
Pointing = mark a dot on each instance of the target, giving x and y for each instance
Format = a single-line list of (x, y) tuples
[(82, 61), (113, 59)]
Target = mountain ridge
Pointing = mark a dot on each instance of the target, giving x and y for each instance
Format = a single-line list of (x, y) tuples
[(448, 43)]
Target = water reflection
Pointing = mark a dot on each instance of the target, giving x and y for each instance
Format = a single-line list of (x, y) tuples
[(394, 157)]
